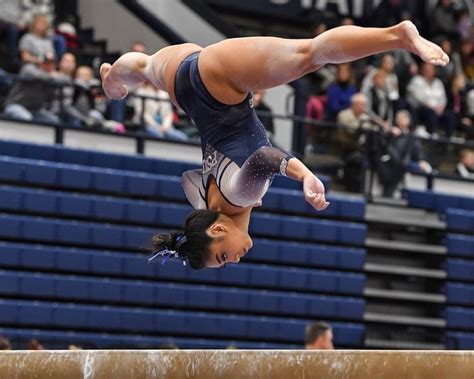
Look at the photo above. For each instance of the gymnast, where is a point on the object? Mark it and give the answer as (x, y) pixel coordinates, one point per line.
(213, 85)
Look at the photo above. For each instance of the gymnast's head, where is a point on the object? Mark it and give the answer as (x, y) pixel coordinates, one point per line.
(210, 239)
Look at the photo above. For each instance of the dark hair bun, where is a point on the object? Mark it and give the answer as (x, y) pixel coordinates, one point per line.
(165, 241)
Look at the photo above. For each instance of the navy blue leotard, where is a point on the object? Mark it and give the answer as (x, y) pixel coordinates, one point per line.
(235, 147)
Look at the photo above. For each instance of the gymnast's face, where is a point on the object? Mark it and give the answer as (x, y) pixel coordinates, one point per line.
(230, 243)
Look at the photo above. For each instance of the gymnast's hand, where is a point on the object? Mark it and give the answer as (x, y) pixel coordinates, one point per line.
(313, 190)
(112, 88)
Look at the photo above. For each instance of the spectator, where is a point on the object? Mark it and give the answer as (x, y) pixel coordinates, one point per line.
(391, 80)
(459, 98)
(427, 97)
(31, 95)
(354, 116)
(464, 24)
(35, 45)
(404, 151)
(454, 66)
(443, 20)
(467, 58)
(465, 166)
(5, 344)
(64, 95)
(378, 97)
(11, 27)
(157, 114)
(259, 105)
(34, 344)
(318, 336)
(340, 92)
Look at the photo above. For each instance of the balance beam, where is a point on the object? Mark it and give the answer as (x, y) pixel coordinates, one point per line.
(229, 364)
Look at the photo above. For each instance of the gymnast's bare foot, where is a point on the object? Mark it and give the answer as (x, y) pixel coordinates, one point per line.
(426, 50)
(113, 89)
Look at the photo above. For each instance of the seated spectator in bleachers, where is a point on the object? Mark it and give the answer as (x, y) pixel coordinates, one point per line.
(387, 66)
(82, 111)
(11, 25)
(352, 119)
(32, 94)
(156, 114)
(318, 336)
(459, 101)
(340, 92)
(64, 94)
(36, 44)
(378, 100)
(267, 120)
(443, 20)
(404, 151)
(454, 67)
(427, 97)
(5, 344)
(465, 166)
(467, 58)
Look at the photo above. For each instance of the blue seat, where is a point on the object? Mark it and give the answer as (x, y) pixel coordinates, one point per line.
(233, 299)
(38, 201)
(142, 212)
(71, 287)
(70, 315)
(460, 219)
(459, 293)
(264, 302)
(9, 254)
(293, 278)
(459, 341)
(37, 258)
(139, 292)
(420, 199)
(11, 170)
(263, 327)
(35, 313)
(458, 317)
(105, 290)
(294, 304)
(172, 295)
(170, 322)
(75, 205)
(36, 285)
(40, 173)
(9, 198)
(460, 269)
(109, 209)
(348, 334)
(39, 229)
(75, 177)
(201, 297)
(73, 232)
(8, 312)
(108, 263)
(263, 276)
(322, 281)
(107, 236)
(459, 244)
(351, 283)
(10, 226)
(108, 180)
(9, 282)
(72, 260)
(137, 237)
(105, 318)
(139, 320)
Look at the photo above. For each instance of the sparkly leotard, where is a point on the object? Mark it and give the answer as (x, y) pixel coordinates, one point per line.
(235, 147)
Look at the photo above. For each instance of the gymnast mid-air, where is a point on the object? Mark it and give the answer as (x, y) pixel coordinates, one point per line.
(213, 85)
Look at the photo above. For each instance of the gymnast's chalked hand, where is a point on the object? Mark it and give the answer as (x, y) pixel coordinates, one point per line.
(113, 89)
(313, 190)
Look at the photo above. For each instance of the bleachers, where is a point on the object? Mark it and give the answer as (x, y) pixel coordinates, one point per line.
(438, 202)
(74, 232)
(458, 211)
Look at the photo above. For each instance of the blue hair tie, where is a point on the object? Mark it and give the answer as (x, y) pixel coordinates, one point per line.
(167, 254)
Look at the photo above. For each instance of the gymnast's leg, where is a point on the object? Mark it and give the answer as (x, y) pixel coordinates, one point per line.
(234, 67)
